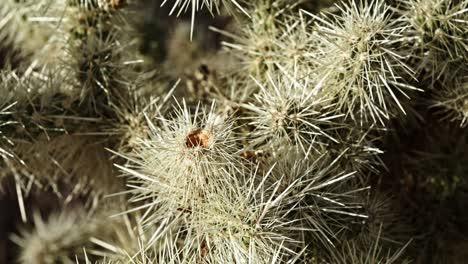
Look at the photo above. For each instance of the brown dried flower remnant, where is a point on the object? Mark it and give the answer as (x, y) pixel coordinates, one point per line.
(116, 4)
(198, 138)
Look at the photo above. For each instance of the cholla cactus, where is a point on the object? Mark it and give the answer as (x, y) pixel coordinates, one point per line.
(196, 5)
(352, 253)
(362, 54)
(22, 22)
(292, 112)
(250, 225)
(200, 146)
(440, 36)
(182, 161)
(62, 236)
(58, 239)
(272, 39)
(285, 132)
(453, 99)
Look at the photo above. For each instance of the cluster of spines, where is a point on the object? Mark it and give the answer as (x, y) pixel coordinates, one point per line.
(54, 114)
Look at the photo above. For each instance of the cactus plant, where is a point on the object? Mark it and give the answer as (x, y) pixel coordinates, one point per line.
(269, 131)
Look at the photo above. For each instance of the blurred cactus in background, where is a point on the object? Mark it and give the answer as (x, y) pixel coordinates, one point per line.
(233, 131)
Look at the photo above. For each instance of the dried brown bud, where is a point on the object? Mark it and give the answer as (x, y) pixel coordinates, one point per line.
(198, 138)
(116, 4)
